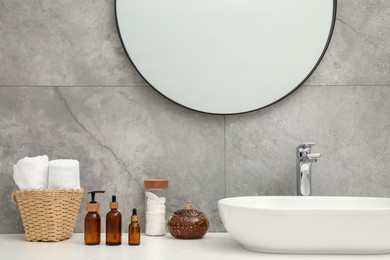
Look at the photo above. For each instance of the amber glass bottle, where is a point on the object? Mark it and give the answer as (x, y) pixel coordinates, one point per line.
(113, 224)
(92, 222)
(92, 228)
(134, 230)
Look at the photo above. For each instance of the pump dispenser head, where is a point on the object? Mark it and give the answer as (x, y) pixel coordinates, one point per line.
(93, 206)
(114, 204)
(93, 195)
(134, 217)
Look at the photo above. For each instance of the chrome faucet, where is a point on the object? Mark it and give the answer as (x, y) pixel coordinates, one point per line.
(304, 160)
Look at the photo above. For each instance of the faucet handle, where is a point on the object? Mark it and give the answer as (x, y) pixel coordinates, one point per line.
(304, 148)
(306, 145)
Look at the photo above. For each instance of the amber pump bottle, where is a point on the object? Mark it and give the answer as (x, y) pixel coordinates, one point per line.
(113, 224)
(92, 221)
(134, 230)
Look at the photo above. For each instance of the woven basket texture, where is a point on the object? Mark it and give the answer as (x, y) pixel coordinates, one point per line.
(48, 214)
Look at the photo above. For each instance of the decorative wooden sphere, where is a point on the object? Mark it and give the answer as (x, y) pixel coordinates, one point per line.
(188, 223)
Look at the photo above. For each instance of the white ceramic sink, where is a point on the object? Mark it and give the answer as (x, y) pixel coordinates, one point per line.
(310, 225)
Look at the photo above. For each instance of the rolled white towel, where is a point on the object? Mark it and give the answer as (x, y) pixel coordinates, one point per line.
(64, 174)
(31, 172)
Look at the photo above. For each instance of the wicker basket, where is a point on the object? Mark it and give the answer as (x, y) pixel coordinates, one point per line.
(48, 215)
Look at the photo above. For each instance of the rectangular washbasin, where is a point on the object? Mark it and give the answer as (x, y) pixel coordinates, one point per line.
(309, 225)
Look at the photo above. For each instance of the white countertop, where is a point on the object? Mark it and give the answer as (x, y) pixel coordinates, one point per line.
(213, 246)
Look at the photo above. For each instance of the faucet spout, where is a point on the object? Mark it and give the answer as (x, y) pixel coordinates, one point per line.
(304, 161)
(313, 157)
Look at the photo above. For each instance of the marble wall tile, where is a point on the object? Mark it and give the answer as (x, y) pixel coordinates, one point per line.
(76, 43)
(120, 136)
(351, 126)
(359, 53)
(59, 42)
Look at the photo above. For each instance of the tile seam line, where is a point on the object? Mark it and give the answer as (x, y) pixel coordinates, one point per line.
(224, 154)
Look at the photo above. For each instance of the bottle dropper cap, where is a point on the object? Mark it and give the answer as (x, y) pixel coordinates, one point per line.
(134, 217)
(114, 204)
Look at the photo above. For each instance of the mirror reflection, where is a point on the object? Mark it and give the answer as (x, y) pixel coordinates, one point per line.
(225, 56)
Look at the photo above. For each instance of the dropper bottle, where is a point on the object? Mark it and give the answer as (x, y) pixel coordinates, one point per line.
(113, 224)
(134, 230)
(92, 221)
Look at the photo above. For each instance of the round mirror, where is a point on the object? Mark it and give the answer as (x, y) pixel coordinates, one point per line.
(225, 56)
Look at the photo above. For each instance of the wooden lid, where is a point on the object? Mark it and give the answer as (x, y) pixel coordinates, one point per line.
(156, 184)
(114, 205)
(134, 218)
(93, 207)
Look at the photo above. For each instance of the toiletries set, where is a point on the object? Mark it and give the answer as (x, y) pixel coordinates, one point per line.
(38, 173)
(92, 224)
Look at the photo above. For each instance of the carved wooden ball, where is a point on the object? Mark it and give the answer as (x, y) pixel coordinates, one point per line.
(188, 223)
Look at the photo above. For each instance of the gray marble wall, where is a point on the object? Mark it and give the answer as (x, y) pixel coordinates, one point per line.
(68, 91)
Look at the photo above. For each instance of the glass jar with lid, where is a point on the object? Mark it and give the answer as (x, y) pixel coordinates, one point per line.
(155, 199)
